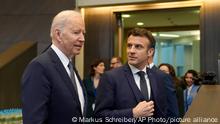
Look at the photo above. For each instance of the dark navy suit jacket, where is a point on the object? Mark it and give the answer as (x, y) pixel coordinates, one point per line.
(118, 94)
(48, 95)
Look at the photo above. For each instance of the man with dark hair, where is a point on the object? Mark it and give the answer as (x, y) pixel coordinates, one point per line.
(134, 90)
(115, 62)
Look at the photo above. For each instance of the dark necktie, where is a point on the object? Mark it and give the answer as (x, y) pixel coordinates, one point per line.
(143, 84)
(72, 76)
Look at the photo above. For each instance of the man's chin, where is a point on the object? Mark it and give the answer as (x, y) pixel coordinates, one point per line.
(76, 52)
(131, 62)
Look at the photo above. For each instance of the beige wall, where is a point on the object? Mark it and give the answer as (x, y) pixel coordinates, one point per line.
(79, 62)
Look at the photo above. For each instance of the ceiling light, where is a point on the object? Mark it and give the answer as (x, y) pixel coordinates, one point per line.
(168, 35)
(154, 34)
(125, 16)
(140, 23)
(197, 32)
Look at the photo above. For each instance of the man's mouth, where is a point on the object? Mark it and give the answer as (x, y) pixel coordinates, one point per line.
(77, 46)
(131, 57)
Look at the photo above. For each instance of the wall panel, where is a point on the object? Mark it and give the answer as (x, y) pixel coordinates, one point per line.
(210, 38)
(99, 36)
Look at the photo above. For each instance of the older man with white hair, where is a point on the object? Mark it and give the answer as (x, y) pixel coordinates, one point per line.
(52, 91)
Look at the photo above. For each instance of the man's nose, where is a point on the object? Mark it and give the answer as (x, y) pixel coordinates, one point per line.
(132, 49)
(82, 37)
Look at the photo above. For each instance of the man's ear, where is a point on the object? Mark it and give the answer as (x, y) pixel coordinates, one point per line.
(57, 33)
(150, 52)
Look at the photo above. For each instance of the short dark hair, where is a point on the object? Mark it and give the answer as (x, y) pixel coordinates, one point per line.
(95, 63)
(119, 59)
(143, 32)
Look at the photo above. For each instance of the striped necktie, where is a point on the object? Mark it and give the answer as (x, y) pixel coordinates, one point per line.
(143, 84)
(72, 76)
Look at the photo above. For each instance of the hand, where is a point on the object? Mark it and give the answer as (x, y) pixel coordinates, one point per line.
(143, 109)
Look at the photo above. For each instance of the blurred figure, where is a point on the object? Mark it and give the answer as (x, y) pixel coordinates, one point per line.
(193, 86)
(151, 64)
(91, 83)
(115, 62)
(165, 68)
(169, 69)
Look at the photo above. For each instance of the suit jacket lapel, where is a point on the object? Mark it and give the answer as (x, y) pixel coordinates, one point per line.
(153, 83)
(66, 79)
(154, 67)
(155, 89)
(80, 81)
(137, 93)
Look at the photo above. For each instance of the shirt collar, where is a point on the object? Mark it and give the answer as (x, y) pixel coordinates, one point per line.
(134, 70)
(63, 58)
(151, 65)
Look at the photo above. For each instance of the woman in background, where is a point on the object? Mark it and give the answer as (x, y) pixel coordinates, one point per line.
(191, 80)
(167, 68)
(91, 83)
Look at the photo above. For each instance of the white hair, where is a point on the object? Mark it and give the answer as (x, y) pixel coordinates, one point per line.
(61, 18)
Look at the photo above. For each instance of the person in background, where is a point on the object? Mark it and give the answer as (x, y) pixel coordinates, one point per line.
(115, 62)
(91, 82)
(52, 91)
(169, 69)
(133, 90)
(151, 64)
(192, 83)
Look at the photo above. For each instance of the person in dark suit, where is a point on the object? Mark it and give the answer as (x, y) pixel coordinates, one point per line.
(176, 82)
(52, 91)
(123, 93)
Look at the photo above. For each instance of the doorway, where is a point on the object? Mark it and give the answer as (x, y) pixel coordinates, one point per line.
(176, 31)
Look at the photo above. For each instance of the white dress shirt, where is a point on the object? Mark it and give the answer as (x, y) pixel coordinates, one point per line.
(65, 61)
(134, 71)
(151, 65)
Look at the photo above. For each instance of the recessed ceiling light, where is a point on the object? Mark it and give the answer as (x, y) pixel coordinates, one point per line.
(154, 34)
(125, 16)
(168, 35)
(140, 23)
